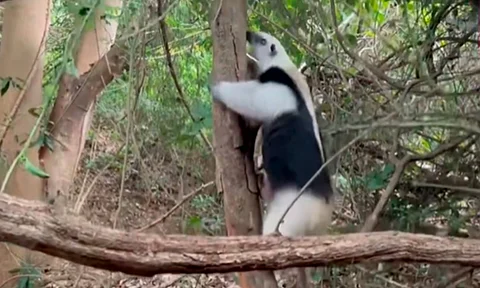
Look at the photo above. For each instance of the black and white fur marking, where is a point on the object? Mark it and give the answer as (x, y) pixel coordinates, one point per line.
(292, 149)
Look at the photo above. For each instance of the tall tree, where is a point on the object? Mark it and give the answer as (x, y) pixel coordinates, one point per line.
(234, 167)
(22, 74)
(25, 29)
(71, 122)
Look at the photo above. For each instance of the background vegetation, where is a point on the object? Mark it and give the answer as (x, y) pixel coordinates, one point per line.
(398, 77)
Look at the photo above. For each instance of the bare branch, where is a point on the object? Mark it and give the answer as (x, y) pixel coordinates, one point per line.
(456, 277)
(374, 70)
(399, 167)
(171, 68)
(174, 208)
(462, 125)
(462, 189)
(33, 225)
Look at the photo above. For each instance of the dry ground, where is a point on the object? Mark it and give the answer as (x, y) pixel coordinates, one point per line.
(152, 187)
(169, 179)
(154, 184)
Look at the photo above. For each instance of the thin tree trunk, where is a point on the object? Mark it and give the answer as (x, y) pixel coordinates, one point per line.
(72, 122)
(234, 163)
(25, 28)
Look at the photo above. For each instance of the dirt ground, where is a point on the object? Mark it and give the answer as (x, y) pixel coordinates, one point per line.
(155, 181)
(152, 187)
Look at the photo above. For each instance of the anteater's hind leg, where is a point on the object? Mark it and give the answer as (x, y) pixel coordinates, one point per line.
(310, 215)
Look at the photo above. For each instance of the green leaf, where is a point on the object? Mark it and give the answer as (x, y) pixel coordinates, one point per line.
(72, 7)
(378, 179)
(49, 90)
(426, 145)
(388, 170)
(28, 275)
(380, 18)
(195, 223)
(375, 183)
(411, 7)
(112, 12)
(24, 282)
(5, 85)
(201, 110)
(34, 170)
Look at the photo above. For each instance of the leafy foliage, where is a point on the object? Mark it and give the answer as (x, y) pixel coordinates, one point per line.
(379, 179)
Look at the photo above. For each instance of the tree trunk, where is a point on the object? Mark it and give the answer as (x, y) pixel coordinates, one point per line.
(33, 225)
(25, 28)
(71, 121)
(233, 155)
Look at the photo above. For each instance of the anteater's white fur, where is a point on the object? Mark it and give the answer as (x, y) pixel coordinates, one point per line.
(282, 60)
(309, 215)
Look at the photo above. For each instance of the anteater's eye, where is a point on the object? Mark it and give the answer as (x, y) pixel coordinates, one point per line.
(263, 41)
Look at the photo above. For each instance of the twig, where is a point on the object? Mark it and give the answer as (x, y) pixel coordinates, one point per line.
(174, 208)
(373, 218)
(79, 277)
(312, 51)
(131, 91)
(438, 16)
(15, 277)
(375, 71)
(399, 167)
(151, 24)
(445, 60)
(215, 17)
(407, 124)
(171, 68)
(473, 191)
(381, 277)
(83, 196)
(373, 126)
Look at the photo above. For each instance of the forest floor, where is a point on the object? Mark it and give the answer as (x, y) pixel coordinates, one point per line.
(153, 185)
(169, 181)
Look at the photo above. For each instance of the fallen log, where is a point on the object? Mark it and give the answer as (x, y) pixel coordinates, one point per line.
(36, 226)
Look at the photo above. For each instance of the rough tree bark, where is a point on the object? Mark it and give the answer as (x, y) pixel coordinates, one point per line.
(82, 93)
(235, 173)
(32, 224)
(25, 28)
(72, 116)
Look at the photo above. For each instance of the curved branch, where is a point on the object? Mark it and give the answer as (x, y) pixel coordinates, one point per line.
(33, 225)
(400, 166)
